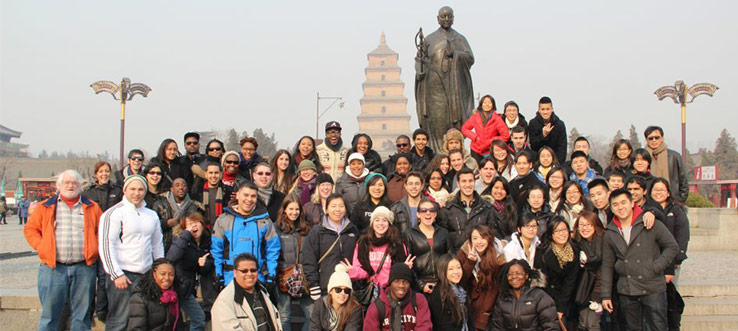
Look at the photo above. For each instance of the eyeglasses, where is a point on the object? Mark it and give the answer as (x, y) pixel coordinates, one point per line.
(562, 230)
(246, 271)
(248, 149)
(214, 149)
(426, 210)
(136, 158)
(230, 162)
(515, 274)
(530, 226)
(154, 173)
(585, 226)
(192, 142)
(260, 173)
(652, 138)
(340, 290)
(402, 145)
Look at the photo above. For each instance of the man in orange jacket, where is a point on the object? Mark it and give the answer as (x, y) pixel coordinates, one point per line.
(67, 255)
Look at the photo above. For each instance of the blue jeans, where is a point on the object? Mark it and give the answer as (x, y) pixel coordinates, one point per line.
(285, 310)
(117, 319)
(645, 312)
(193, 310)
(75, 283)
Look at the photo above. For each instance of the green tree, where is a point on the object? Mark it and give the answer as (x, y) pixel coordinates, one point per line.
(44, 154)
(726, 156)
(573, 135)
(634, 139)
(231, 143)
(267, 144)
(618, 136)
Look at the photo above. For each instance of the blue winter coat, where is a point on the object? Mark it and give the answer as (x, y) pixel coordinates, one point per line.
(23, 208)
(234, 234)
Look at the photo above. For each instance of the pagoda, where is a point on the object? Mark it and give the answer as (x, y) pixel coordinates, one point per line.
(384, 105)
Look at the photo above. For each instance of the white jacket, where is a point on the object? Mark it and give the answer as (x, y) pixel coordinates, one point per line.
(130, 239)
(228, 315)
(514, 249)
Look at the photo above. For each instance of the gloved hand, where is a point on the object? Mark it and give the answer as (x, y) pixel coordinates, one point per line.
(315, 293)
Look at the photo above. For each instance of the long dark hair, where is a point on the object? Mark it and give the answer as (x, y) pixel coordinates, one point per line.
(448, 297)
(593, 219)
(510, 212)
(669, 200)
(297, 145)
(428, 178)
(481, 101)
(488, 265)
(289, 174)
(582, 198)
(554, 159)
(285, 225)
(502, 145)
(435, 163)
(161, 152)
(551, 225)
(614, 165)
(384, 200)
(148, 169)
(147, 286)
(345, 311)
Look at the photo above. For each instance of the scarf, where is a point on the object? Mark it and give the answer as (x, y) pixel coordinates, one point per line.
(461, 294)
(361, 177)
(229, 179)
(499, 206)
(544, 171)
(624, 164)
(511, 125)
(299, 158)
(218, 199)
(265, 194)
(660, 164)
(169, 297)
(178, 209)
(248, 164)
(396, 312)
(335, 147)
(333, 317)
(306, 189)
(563, 255)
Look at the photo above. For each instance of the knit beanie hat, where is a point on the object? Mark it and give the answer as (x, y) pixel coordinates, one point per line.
(135, 178)
(226, 154)
(339, 278)
(356, 156)
(306, 164)
(400, 271)
(381, 211)
(323, 178)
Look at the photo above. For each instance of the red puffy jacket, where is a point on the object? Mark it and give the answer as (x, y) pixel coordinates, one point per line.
(483, 135)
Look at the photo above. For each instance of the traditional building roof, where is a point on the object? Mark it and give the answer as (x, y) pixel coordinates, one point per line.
(5, 131)
(382, 49)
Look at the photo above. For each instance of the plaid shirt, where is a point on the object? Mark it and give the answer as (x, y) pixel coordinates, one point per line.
(69, 232)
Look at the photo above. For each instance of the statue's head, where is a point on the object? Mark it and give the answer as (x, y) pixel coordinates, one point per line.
(445, 17)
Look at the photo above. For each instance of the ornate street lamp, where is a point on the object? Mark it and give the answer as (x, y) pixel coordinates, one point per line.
(125, 92)
(318, 114)
(678, 93)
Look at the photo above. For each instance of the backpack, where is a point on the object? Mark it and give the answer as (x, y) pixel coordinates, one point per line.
(381, 311)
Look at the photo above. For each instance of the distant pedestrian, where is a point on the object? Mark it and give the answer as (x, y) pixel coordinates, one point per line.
(3, 210)
(23, 206)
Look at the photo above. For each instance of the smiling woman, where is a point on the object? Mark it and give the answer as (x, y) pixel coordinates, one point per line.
(154, 303)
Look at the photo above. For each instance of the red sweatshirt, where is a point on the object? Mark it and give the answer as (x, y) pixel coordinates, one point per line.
(411, 320)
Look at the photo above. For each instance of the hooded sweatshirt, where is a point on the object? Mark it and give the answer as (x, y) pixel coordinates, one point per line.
(411, 319)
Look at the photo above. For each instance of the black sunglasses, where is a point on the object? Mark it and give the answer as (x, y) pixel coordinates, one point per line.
(192, 142)
(230, 162)
(214, 149)
(136, 158)
(340, 290)
(402, 145)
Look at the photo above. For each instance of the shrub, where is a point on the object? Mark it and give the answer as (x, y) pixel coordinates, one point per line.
(696, 200)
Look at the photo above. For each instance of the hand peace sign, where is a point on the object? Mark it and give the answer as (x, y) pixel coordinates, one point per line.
(409, 261)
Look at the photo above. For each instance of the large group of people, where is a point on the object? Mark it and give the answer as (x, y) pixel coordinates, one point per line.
(511, 235)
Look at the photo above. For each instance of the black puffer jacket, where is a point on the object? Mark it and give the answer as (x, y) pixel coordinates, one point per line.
(372, 159)
(520, 186)
(320, 318)
(560, 282)
(426, 257)
(454, 218)
(534, 311)
(145, 314)
(556, 139)
(678, 224)
(184, 254)
(318, 241)
(105, 195)
(542, 216)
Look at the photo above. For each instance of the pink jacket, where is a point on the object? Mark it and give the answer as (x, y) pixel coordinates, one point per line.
(375, 256)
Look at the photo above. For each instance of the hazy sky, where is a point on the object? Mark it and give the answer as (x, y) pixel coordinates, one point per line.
(248, 64)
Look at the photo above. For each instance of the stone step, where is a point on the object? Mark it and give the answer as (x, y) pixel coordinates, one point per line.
(698, 232)
(708, 290)
(712, 323)
(714, 306)
(712, 243)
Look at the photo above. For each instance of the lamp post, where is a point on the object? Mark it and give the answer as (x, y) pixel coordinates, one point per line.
(318, 114)
(679, 93)
(125, 92)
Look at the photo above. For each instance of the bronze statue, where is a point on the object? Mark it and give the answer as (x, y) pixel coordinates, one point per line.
(443, 87)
